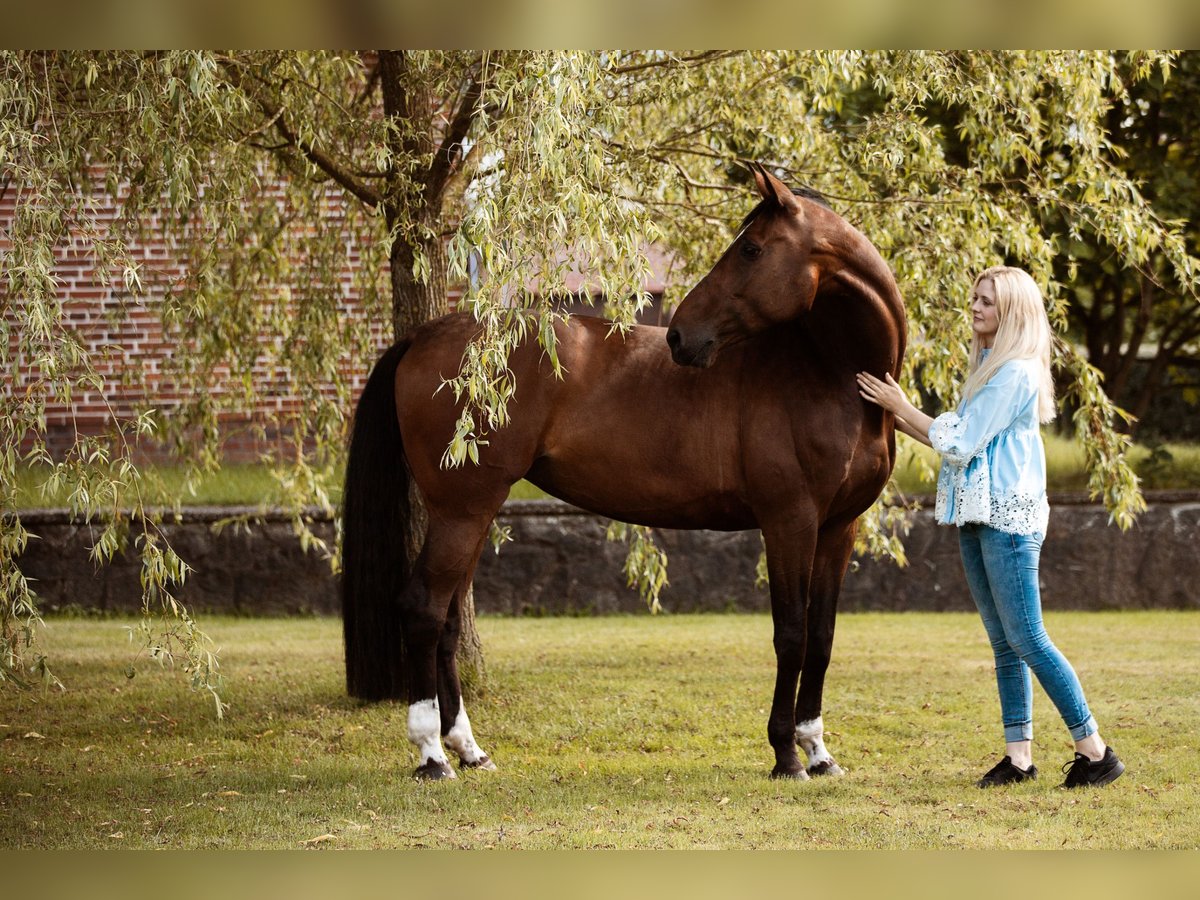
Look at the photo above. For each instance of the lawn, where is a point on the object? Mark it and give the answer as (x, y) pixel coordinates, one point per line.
(236, 484)
(645, 732)
(1175, 466)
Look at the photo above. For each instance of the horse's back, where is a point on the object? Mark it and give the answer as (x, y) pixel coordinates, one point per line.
(620, 429)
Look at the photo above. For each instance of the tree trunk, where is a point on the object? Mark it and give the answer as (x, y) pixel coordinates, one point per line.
(1150, 387)
(1119, 378)
(419, 298)
(415, 302)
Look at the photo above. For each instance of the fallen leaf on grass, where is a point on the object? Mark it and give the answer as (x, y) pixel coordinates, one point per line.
(34, 734)
(723, 801)
(229, 793)
(119, 835)
(319, 839)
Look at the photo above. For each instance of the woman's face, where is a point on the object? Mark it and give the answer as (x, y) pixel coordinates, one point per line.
(984, 320)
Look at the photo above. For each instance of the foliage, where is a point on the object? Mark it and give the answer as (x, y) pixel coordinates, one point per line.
(646, 563)
(1158, 466)
(1122, 311)
(165, 135)
(263, 167)
(622, 731)
(1165, 466)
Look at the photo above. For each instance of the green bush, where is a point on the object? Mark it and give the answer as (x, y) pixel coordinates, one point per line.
(1159, 466)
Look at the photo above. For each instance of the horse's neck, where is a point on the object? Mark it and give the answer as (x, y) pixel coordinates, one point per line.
(864, 307)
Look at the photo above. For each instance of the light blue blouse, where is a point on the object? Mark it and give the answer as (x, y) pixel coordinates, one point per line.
(993, 462)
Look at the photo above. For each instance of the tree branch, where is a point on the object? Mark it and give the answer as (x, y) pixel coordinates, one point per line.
(448, 157)
(324, 161)
(368, 88)
(706, 56)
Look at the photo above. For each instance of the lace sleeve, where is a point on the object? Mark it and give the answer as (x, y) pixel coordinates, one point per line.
(962, 435)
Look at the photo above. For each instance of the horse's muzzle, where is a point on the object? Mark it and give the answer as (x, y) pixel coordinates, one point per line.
(684, 353)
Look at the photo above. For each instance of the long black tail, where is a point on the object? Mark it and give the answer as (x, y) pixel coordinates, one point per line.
(376, 513)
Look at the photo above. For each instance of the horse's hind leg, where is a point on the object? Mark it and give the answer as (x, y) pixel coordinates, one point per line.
(446, 560)
(834, 547)
(456, 727)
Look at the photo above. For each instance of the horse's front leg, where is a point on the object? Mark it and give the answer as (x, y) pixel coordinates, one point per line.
(789, 563)
(834, 547)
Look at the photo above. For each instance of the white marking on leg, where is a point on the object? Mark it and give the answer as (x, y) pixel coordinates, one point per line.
(462, 741)
(809, 735)
(424, 730)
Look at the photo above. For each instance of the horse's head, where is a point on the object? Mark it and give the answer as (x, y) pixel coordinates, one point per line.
(767, 276)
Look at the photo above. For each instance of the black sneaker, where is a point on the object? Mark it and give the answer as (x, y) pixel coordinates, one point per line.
(1004, 772)
(1083, 772)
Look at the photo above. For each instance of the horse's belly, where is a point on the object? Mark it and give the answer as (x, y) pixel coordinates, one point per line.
(627, 497)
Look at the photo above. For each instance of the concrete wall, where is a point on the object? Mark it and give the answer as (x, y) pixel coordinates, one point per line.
(560, 563)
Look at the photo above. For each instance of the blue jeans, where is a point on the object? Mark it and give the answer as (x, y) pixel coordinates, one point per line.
(1002, 572)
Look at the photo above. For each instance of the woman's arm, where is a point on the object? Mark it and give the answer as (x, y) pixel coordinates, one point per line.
(903, 426)
(888, 395)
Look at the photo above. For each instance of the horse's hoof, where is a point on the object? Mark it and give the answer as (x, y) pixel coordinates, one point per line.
(796, 773)
(433, 770)
(826, 767)
(484, 764)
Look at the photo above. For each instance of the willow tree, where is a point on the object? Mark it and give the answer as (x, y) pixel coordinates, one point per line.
(502, 173)
(1127, 315)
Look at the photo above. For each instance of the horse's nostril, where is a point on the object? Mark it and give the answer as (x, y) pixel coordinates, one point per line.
(673, 338)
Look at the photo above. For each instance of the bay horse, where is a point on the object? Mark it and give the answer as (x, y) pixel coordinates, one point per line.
(743, 413)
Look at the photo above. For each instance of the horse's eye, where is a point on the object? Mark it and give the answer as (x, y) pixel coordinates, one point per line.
(751, 250)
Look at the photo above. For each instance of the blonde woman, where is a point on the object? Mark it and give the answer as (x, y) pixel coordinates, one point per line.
(992, 485)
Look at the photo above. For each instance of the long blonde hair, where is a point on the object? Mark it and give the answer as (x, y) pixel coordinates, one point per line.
(1023, 332)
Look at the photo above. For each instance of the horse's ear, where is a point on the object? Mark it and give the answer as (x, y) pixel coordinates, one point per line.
(773, 189)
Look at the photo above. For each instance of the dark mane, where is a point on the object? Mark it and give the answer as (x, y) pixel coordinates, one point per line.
(806, 193)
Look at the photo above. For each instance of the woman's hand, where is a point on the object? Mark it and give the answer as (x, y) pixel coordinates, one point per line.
(883, 393)
(887, 394)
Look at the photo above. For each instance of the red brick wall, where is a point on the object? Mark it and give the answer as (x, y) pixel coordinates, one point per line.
(130, 349)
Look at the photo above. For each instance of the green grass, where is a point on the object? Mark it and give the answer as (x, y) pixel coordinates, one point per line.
(1168, 466)
(609, 732)
(245, 484)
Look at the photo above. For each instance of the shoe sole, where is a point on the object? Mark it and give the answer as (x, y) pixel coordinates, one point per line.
(994, 784)
(984, 783)
(1109, 777)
